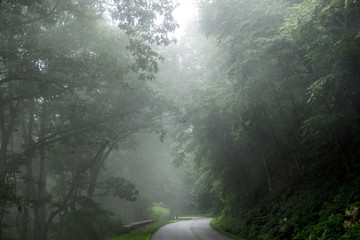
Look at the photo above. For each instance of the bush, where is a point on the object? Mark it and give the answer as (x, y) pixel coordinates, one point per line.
(88, 222)
(159, 213)
(329, 229)
(352, 233)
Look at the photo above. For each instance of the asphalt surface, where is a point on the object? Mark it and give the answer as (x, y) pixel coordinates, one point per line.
(194, 229)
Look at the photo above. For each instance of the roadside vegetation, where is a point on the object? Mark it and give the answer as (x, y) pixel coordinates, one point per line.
(144, 234)
(312, 210)
(217, 225)
(253, 116)
(269, 130)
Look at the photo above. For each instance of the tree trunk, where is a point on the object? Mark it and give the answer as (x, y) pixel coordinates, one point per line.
(244, 183)
(351, 96)
(40, 209)
(29, 189)
(64, 204)
(3, 158)
(29, 184)
(292, 141)
(5, 134)
(264, 161)
(3, 147)
(277, 143)
(96, 170)
(243, 177)
(346, 162)
(300, 163)
(1, 219)
(268, 177)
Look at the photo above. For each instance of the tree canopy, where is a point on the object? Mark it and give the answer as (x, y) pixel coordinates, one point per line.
(257, 107)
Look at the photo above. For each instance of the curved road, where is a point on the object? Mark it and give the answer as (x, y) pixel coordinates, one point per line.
(194, 229)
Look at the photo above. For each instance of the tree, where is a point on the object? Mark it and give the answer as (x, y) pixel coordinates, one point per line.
(61, 84)
(273, 100)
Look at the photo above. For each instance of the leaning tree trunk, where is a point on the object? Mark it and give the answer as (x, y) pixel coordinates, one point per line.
(94, 172)
(100, 156)
(268, 177)
(65, 203)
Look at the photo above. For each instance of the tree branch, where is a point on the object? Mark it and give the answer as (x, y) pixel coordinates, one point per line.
(5, 80)
(64, 203)
(52, 12)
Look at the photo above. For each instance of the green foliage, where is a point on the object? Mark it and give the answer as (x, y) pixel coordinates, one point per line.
(276, 112)
(316, 210)
(70, 94)
(329, 229)
(142, 235)
(353, 233)
(159, 213)
(331, 128)
(333, 216)
(266, 111)
(216, 223)
(138, 19)
(121, 188)
(87, 222)
(9, 198)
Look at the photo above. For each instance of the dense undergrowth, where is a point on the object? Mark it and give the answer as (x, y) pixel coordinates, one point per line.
(215, 225)
(273, 132)
(326, 208)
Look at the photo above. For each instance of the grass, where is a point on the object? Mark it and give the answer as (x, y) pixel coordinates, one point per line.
(143, 235)
(198, 215)
(147, 233)
(217, 228)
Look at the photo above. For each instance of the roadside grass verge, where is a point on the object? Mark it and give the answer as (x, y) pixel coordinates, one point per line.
(196, 214)
(214, 225)
(144, 235)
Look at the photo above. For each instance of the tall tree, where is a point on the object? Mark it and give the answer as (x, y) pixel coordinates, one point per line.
(68, 75)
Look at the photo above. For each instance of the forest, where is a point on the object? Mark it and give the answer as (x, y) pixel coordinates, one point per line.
(251, 116)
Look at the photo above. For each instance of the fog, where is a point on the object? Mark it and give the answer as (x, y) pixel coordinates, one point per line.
(114, 112)
(149, 167)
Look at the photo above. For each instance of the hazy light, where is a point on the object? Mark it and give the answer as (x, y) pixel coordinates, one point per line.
(186, 12)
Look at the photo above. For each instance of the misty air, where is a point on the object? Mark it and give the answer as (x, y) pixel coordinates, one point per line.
(179, 119)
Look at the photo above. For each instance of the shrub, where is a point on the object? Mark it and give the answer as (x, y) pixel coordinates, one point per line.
(158, 212)
(87, 222)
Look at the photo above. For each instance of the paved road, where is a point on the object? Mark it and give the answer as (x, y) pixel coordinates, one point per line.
(194, 229)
